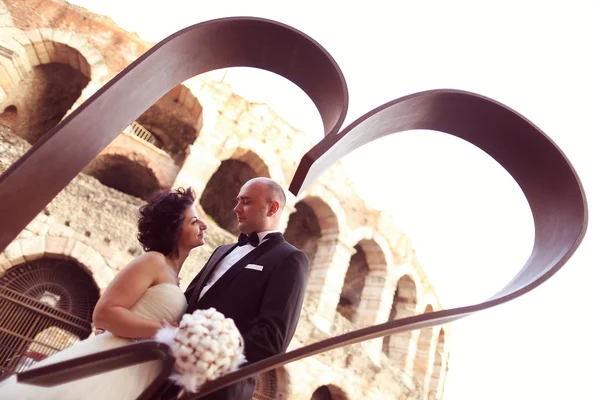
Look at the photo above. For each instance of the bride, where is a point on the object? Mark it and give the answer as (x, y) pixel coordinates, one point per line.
(142, 297)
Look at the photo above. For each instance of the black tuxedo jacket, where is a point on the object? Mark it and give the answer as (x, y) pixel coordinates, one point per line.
(265, 305)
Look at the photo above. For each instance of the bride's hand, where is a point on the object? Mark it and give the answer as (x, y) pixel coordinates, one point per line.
(165, 323)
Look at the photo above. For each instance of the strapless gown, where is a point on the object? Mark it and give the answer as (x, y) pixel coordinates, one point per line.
(163, 301)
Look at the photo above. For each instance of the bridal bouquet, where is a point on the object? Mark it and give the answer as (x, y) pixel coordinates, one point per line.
(206, 346)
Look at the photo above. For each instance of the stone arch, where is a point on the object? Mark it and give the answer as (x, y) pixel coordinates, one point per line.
(58, 294)
(318, 190)
(408, 271)
(9, 116)
(397, 347)
(218, 198)
(174, 121)
(329, 392)
(126, 171)
(364, 281)
(260, 156)
(424, 342)
(36, 247)
(396, 245)
(429, 301)
(312, 225)
(41, 99)
(273, 385)
(332, 255)
(435, 381)
(46, 72)
(50, 272)
(381, 252)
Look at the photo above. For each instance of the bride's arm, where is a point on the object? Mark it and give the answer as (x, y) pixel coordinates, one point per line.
(112, 310)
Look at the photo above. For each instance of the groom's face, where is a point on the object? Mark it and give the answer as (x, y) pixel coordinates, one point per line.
(252, 208)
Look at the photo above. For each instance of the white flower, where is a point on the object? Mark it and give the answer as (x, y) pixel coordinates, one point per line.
(217, 316)
(184, 350)
(223, 338)
(201, 366)
(205, 346)
(208, 356)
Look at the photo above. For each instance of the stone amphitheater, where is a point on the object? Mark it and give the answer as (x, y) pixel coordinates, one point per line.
(364, 271)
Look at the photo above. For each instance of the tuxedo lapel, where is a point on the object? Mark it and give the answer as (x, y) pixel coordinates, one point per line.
(236, 268)
(208, 270)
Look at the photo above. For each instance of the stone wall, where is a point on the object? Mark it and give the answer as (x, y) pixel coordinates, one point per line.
(98, 216)
(116, 47)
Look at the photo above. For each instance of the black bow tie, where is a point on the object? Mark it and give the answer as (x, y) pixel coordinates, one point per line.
(253, 239)
(244, 239)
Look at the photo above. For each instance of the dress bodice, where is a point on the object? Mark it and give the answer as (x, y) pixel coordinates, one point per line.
(164, 301)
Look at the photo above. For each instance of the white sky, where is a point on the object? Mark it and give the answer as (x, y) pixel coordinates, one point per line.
(471, 225)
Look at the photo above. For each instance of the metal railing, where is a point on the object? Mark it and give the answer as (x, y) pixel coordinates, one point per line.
(31, 331)
(138, 130)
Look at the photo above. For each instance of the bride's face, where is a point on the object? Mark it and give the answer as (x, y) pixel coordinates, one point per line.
(192, 230)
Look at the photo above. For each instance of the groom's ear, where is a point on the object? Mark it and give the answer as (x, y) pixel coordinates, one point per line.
(273, 208)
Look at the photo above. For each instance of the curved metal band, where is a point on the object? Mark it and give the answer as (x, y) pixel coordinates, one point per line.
(40, 175)
(542, 171)
(548, 180)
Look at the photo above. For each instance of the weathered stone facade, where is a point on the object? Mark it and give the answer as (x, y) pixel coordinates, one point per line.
(53, 56)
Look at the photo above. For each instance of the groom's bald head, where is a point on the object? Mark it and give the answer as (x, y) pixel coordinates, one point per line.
(273, 190)
(259, 205)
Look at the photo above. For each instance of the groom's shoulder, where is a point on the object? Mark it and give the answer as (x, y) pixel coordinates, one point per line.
(290, 249)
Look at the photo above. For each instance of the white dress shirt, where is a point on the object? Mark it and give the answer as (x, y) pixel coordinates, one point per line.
(230, 259)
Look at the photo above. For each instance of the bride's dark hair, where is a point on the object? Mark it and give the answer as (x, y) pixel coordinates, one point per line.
(160, 222)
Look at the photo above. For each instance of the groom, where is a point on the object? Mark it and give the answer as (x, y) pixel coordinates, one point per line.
(258, 282)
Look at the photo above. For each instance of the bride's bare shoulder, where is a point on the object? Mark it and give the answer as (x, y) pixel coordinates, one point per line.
(154, 256)
(150, 259)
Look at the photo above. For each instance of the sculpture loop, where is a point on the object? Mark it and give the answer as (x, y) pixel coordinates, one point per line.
(548, 180)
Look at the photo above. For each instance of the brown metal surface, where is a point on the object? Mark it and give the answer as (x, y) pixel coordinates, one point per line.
(549, 182)
(105, 361)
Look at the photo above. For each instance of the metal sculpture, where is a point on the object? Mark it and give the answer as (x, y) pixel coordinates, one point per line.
(548, 180)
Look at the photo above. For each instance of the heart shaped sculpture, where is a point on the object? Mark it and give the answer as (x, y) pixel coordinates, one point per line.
(548, 180)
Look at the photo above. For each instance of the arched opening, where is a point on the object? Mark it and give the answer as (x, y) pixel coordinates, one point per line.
(127, 175)
(354, 283)
(329, 392)
(311, 226)
(218, 198)
(435, 381)
(423, 350)
(396, 347)
(42, 98)
(272, 385)
(175, 120)
(9, 116)
(46, 304)
(363, 283)
(303, 230)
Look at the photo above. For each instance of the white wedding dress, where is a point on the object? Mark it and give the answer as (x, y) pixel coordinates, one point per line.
(163, 301)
